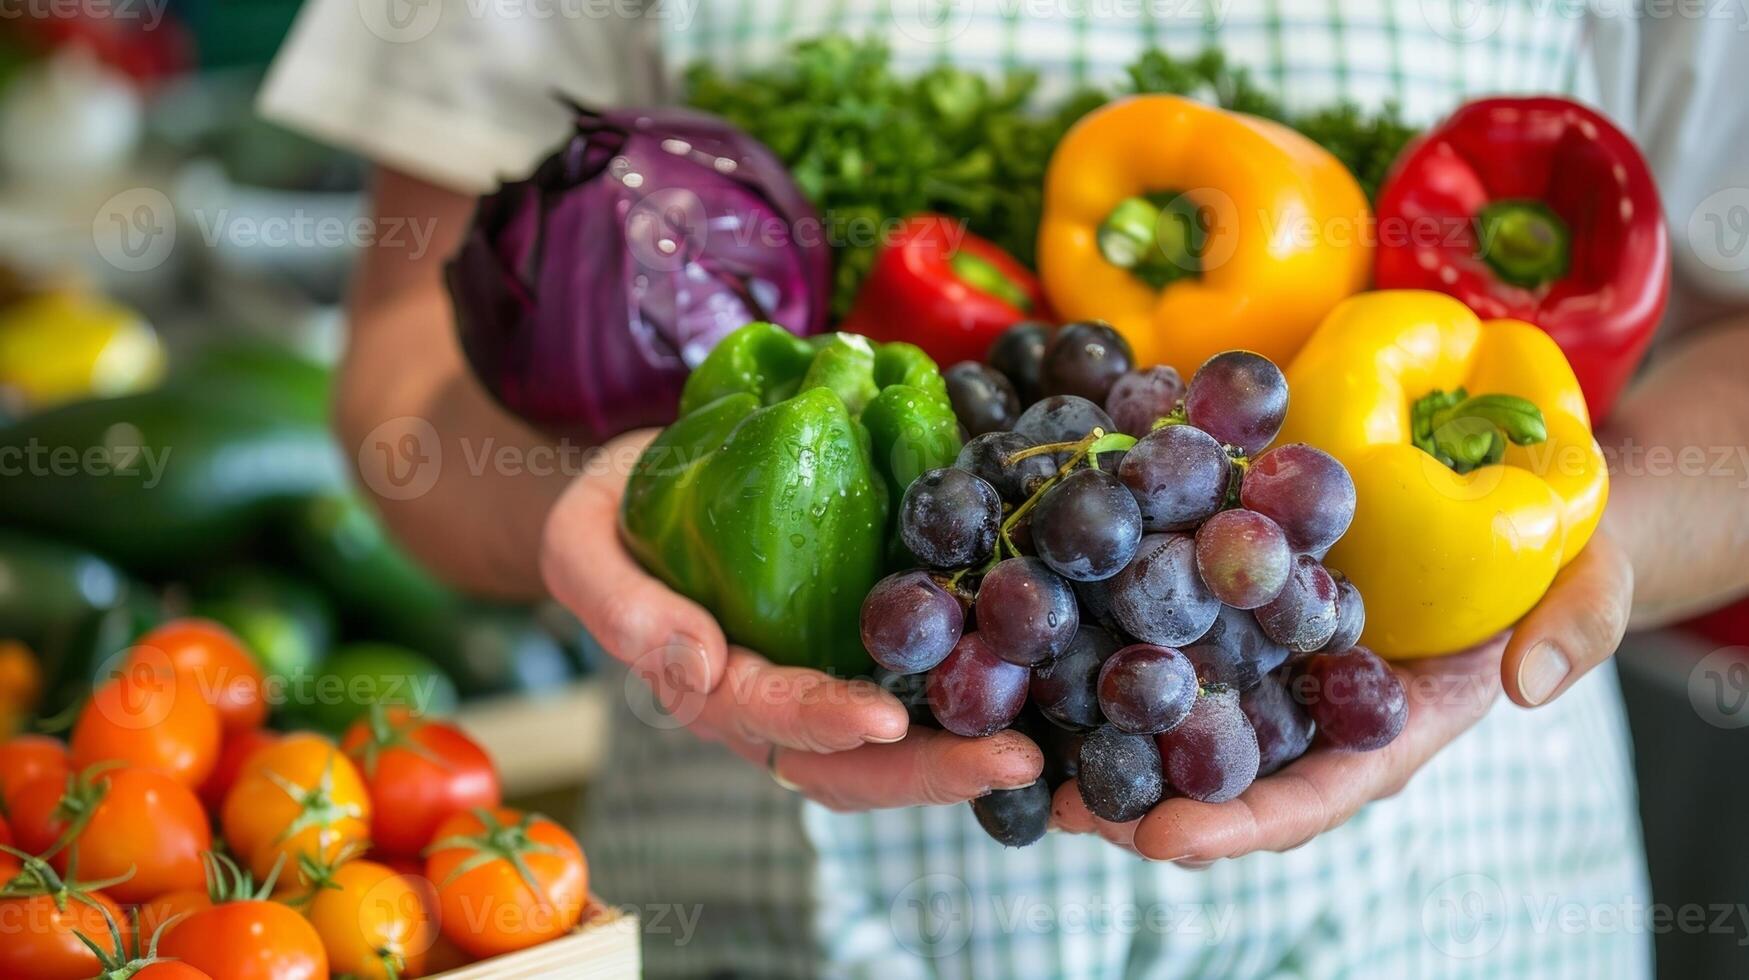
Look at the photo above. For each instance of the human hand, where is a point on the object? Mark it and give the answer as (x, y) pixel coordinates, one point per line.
(841, 742)
(1575, 627)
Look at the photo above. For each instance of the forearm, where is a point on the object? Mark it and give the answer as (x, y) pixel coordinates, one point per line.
(461, 483)
(1679, 494)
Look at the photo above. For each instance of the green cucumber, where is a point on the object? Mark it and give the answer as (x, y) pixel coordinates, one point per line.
(165, 480)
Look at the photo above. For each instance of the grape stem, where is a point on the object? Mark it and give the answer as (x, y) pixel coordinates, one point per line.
(1077, 454)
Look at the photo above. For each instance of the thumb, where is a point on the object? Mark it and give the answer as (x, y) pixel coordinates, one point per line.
(672, 641)
(1575, 627)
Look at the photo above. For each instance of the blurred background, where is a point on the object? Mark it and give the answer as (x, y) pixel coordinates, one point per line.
(171, 271)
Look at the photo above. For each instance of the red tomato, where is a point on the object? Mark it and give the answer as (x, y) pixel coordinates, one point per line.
(5, 833)
(419, 773)
(214, 661)
(26, 757)
(150, 718)
(248, 940)
(489, 909)
(138, 824)
(42, 941)
(236, 750)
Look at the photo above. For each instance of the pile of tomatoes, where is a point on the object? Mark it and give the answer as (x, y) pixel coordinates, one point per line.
(173, 838)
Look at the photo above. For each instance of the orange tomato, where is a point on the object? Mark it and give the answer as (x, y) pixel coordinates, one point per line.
(214, 660)
(419, 773)
(41, 935)
(249, 939)
(130, 823)
(373, 922)
(235, 750)
(151, 718)
(491, 908)
(26, 757)
(299, 796)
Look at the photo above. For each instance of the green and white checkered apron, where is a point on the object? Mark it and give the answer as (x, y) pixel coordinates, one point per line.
(1515, 853)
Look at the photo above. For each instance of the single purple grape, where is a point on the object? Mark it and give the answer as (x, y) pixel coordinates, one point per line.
(1062, 418)
(982, 397)
(1304, 490)
(1213, 756)
(1146, 689)
(1026, 612)
(909, 623)
(975, 693)
(1159, 597)
(1303, 617)
(1243, 558)
(1087, 526)
(991, 458)
(1355, 698)
(1085, 359)
(1179, 476)
(1238, 397)
(948, 518)
(1119, 774)
(1019, 353)
(1235, 651)
(1140, 398)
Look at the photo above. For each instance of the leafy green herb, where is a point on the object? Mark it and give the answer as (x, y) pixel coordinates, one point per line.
(868, 146)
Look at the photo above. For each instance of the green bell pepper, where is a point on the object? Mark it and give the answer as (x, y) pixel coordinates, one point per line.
(771, 499)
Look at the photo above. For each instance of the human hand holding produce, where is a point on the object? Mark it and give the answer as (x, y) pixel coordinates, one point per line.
(839, 741)
(1575, 627)
(1123, 601)
(769, 501)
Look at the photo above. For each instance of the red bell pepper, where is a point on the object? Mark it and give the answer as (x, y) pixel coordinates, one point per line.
(944, 289)
(1538, 209)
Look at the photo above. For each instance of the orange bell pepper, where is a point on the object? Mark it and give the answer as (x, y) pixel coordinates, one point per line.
(1195, 230)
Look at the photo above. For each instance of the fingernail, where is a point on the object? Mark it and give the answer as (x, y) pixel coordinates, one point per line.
(1542, 670)
(685, 668)
(1019, 785)
(885, 740)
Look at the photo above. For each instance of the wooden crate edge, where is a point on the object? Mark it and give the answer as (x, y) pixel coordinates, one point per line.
(603, 947)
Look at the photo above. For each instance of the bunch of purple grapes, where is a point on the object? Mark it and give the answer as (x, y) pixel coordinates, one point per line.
(1119, 566)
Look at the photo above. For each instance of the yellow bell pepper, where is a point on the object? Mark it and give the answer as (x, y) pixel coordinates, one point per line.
(64, 344)
(1194, 230)
(1467, 504)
